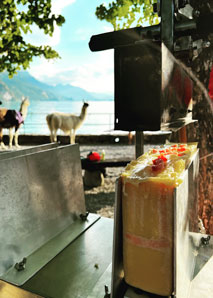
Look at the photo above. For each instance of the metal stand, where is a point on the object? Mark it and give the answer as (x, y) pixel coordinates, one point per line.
(139, 143)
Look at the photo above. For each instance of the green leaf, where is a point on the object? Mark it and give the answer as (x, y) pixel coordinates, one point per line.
(15, 22)
(125, 13)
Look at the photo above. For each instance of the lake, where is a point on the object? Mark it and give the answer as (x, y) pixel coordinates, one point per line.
(99, 120)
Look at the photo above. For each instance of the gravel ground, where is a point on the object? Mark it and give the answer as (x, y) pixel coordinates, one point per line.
(101, 199)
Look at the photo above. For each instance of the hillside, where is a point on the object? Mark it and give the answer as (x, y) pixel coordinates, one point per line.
(23, 84)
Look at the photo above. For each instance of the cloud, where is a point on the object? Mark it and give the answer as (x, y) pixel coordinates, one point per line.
(85, 33)
(108, 28)
(59, 5)
(81, 68)
(95, 76)
(37, 37)
(98, 76)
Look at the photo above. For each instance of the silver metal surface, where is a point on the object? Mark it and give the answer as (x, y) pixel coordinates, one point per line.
(82, 269)
(43, 255)
(202, 284)
(11, 154)
(190, 255)
(118, 285)
(184, 246)
(41, 195)
(176, 95)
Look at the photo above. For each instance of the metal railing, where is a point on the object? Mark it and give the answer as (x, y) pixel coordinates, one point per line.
(95, 123)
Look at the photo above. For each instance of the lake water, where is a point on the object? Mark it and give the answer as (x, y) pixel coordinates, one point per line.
(99, 119)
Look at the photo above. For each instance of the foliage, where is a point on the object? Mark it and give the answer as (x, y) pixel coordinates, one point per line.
(16, 19)
(124, 13)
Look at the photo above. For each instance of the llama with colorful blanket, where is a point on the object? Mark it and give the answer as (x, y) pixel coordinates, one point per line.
(12, 119)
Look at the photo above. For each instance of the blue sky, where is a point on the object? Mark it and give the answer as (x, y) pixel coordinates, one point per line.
(78, 66)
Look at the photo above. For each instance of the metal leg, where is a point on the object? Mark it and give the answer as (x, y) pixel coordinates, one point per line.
(139, 143)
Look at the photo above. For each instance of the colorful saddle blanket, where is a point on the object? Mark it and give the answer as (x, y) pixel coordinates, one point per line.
(19, 117)
(11, 118)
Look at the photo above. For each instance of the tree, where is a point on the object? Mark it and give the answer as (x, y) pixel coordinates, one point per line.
(16, 20)
(123, 13)
(120, 14)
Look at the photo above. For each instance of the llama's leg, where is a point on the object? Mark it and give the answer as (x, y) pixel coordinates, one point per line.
(11, 137)
(72, 136)
(54, 135)
(51, 136)
(1, 139)
(16, 137)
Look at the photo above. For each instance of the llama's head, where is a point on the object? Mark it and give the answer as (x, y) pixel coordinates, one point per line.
(24, 106)
(25, 101)
(85, 104)
(84, 109)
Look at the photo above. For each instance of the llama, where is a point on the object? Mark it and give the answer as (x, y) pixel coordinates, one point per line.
(68, 123)
(13, 119)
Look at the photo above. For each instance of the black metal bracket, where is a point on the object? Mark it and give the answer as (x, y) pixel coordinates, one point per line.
(21, 265)
(107, 294)
(83, 217)
(205, 241)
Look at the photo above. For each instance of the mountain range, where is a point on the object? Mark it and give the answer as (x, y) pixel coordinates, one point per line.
(23, 84)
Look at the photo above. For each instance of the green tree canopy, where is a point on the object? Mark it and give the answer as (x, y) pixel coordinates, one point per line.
(16, 20)
(123, 13)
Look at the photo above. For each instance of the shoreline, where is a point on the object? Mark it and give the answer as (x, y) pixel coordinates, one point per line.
(107, 138)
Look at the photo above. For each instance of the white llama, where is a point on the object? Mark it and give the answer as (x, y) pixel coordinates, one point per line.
(68, 123)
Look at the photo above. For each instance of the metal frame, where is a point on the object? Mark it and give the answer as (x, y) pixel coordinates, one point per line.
(16, 153)
(42, 195)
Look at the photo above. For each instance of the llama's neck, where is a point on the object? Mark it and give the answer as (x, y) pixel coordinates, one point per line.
(83, 113)
(23, 111)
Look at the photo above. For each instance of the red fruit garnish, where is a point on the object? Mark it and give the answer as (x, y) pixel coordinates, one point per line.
(181, 149)
(159, 164)
(163, 158)
(162, 151)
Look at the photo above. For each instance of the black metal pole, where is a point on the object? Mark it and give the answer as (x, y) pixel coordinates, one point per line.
(167, 23)
(139, 143)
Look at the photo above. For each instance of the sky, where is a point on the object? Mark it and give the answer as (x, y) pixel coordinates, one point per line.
(78, 66)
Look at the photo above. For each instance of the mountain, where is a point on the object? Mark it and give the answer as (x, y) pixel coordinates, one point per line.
(23, 84)
(67, 92)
